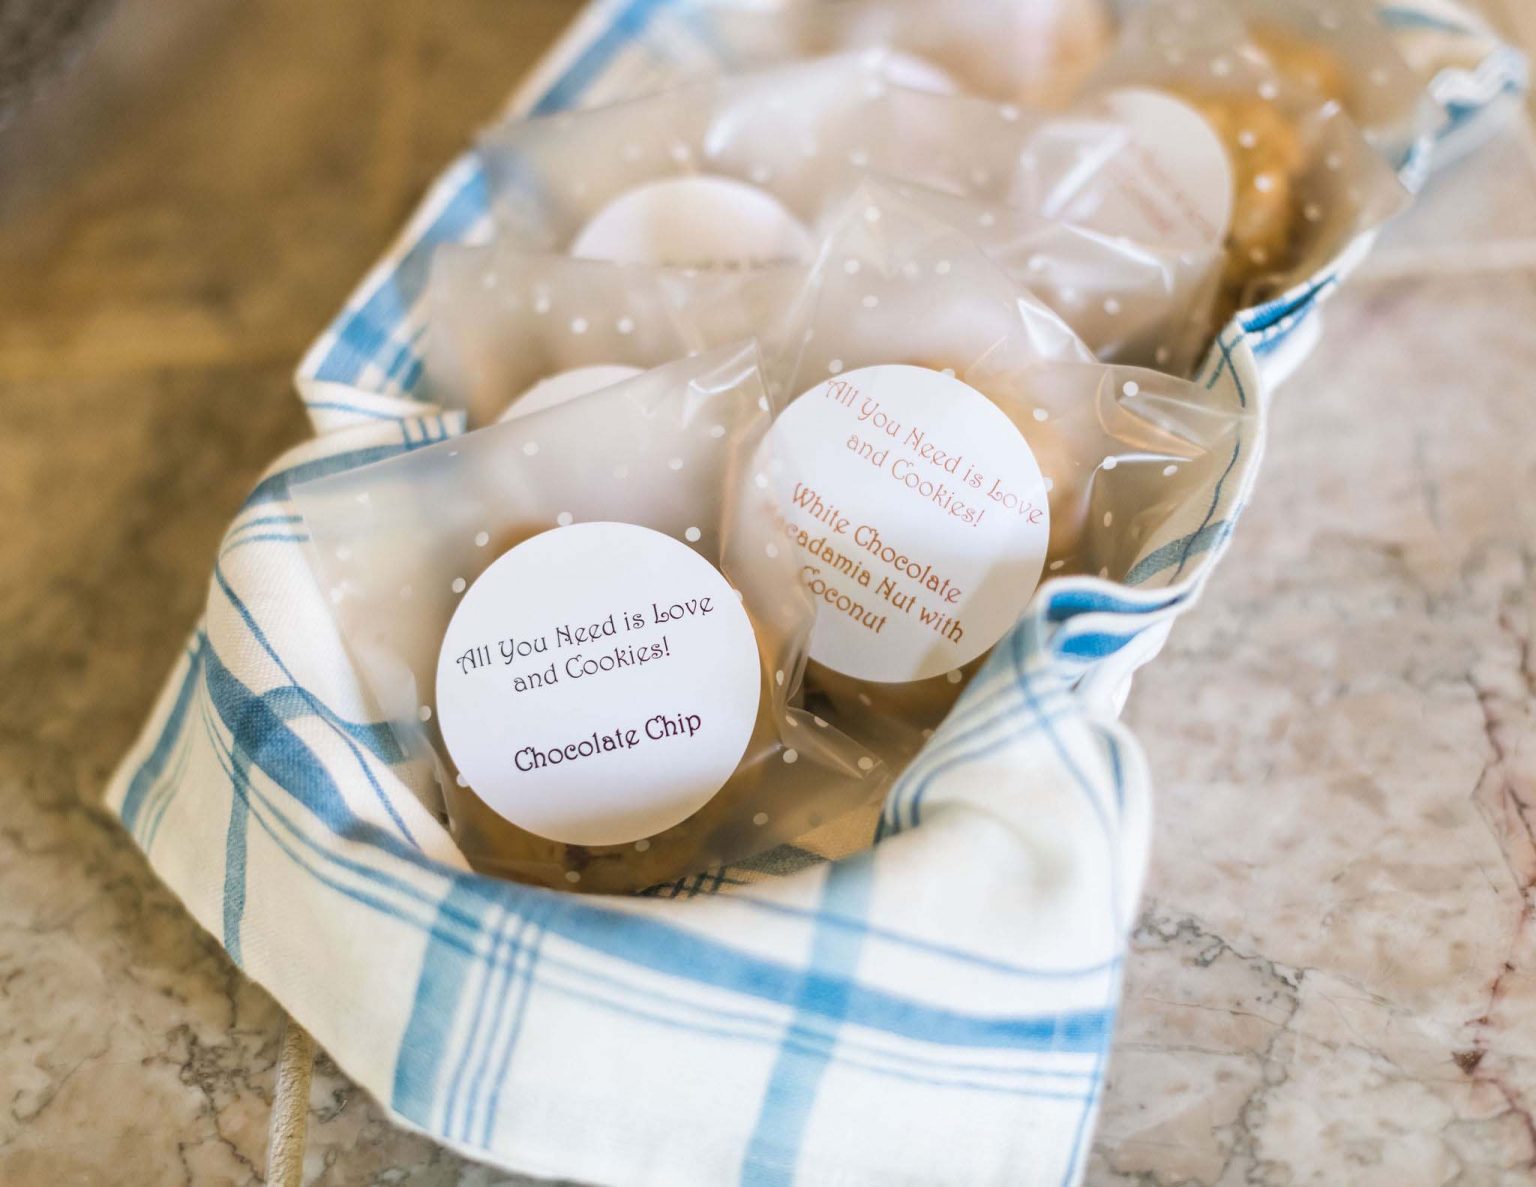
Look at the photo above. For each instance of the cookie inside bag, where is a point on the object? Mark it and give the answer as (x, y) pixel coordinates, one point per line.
(581, 622)
(929, 473)
(1297, 95)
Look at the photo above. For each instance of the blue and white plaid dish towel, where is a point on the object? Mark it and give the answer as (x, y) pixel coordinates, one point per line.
(935, 1010)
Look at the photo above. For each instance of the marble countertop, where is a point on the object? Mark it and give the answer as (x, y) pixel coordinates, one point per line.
(1334, 977)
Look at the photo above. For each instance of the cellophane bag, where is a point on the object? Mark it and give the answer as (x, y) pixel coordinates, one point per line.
(581, 620)
(1341, 51)
(505, 322)
(796, 137)
(1026, 51)
(946, 443)
(1141, 304)
(794, 140)
(1282, 90)
(762, 152)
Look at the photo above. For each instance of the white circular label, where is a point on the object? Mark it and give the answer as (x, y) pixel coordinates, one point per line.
(567, 385)
(1171, 182)
(598, 683)
(694, 222)
(920, 516)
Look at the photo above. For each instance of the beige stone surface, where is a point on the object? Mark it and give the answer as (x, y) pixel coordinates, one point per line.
(1334, 976)
(1334, 980)
(198, 200)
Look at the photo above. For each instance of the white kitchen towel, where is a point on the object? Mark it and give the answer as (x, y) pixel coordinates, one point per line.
(934, 1010)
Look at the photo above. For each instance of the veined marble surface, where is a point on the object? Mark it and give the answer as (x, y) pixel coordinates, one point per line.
(1334, 977)
(1332, 982)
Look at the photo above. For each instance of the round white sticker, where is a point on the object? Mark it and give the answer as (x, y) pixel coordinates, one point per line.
(598, 683)
(694, 222)
(920, 516)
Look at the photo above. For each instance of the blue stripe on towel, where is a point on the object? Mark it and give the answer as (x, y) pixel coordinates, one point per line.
(823, 994)
(1069, 603)
(1095, 644)
(154, 762)
(364, 331)
(446, 968)
(626, 26)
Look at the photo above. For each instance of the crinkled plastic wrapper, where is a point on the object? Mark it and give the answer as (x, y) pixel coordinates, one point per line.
(1339, 51)
(800, 135)
(1137, 303)
(883, 239)
(1028, 51)
(1121, 450)
(757, 166)
(1298, 94)
(776, 144)
(504, 321)
(397, 543)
